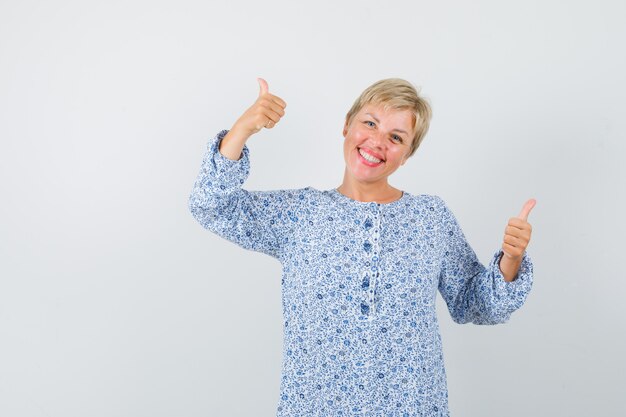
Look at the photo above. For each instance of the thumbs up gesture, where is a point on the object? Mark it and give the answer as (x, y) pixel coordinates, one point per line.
(516, 238)
(517, 232)
(264, 113)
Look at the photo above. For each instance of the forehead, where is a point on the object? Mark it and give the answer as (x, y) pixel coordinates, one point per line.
(396, 116)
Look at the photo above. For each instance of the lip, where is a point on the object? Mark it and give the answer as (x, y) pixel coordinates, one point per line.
(368, 163)
(375, 155)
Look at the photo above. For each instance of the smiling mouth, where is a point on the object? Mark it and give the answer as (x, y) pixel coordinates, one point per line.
(369, 157)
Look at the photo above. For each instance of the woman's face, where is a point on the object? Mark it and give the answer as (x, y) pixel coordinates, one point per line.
(384, 136)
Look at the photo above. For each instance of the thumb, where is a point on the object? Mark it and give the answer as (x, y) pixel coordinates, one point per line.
(263, 85)
(526, 209)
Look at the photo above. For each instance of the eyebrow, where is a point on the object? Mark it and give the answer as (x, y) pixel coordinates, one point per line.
(378, 121)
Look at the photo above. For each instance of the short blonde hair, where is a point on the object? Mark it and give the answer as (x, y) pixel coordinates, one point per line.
(397, 94)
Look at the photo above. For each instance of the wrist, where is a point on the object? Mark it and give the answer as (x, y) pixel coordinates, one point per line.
(509, 266)
(235, 134)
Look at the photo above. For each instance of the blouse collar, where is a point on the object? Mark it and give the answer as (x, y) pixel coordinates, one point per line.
(343, 199)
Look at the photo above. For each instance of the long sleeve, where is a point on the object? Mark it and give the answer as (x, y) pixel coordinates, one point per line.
(475, 293)
(255, 220)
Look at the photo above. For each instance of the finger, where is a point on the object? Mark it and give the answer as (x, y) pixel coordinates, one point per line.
(265, 118)
(277, 108)
(266, 104)
(272, 99)
(514, 241)
(511, 251)
(514, 231)
(278, 101)
(508, 249)
(263, 86)
(272, 115)
(268, 119)
(519, 224)
(526, 209)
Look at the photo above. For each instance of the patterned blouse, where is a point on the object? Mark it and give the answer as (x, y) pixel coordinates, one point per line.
(359, 284)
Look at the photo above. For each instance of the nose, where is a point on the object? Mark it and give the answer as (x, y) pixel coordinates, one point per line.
(378, 139)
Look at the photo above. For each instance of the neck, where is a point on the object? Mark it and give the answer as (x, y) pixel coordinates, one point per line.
(379, 192)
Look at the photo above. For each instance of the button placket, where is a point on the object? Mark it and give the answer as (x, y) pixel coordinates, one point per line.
(374, 273)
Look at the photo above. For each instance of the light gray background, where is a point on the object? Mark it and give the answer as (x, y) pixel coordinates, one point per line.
(114, 302)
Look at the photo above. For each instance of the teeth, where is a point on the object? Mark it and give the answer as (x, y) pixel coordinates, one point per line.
(369, 157)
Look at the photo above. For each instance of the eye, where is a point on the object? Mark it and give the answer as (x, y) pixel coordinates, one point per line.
(372, 123)
(398, 138)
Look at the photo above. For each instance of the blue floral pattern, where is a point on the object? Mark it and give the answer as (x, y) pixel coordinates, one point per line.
(359, 284)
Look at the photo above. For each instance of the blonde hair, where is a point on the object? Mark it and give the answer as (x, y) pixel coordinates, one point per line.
(397, 94)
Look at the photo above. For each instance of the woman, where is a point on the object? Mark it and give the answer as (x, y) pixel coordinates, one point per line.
(362, 263)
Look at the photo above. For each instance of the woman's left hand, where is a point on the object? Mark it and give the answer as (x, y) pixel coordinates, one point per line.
(516, 238)
(517, 232)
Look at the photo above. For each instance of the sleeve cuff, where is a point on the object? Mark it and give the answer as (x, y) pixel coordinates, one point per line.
(231, 173)
(520, 286)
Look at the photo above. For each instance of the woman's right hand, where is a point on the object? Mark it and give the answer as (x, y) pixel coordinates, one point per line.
(264, 113)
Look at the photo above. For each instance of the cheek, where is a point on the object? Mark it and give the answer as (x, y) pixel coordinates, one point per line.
(397, 156)
(357, 139)
(347, 148)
